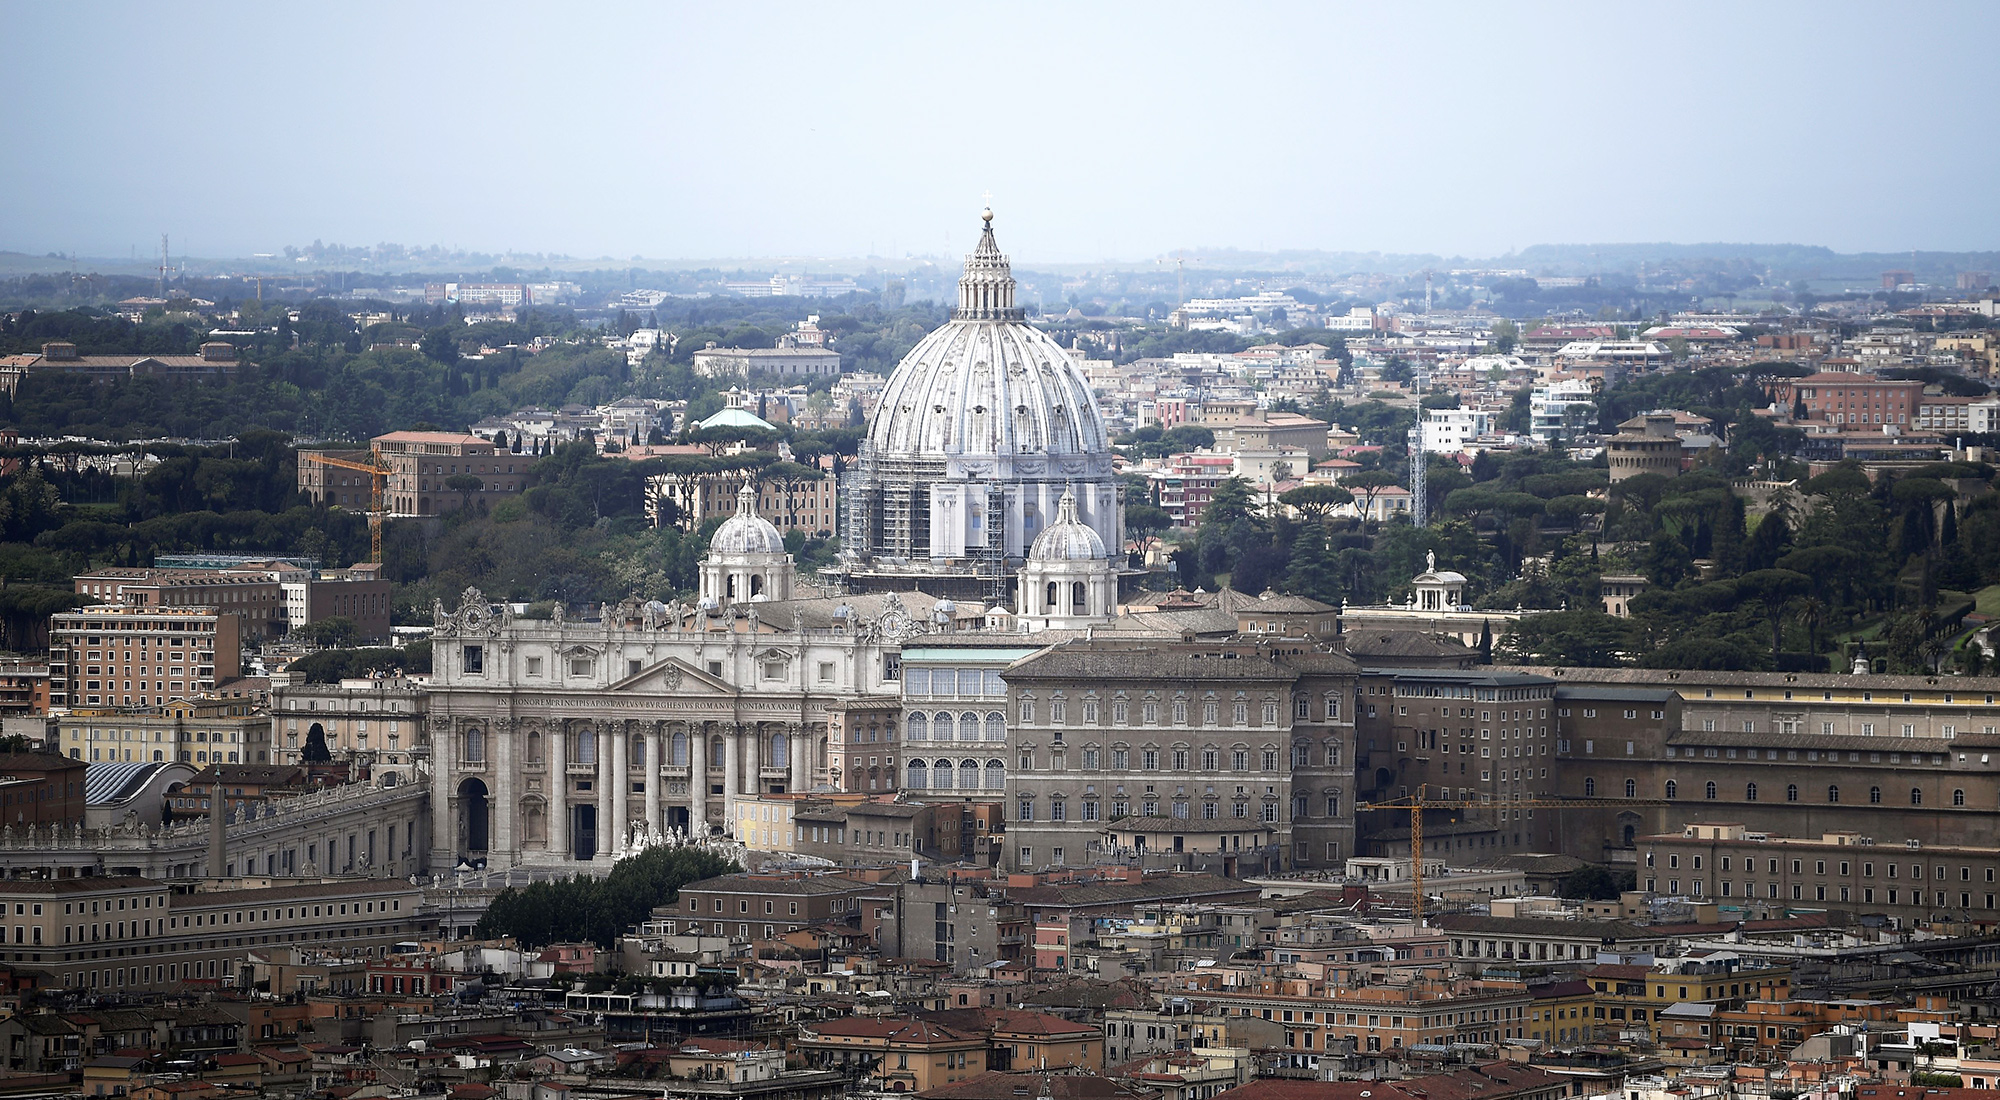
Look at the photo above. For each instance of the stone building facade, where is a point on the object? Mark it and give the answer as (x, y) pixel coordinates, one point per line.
(563, 741)
(1113, 734)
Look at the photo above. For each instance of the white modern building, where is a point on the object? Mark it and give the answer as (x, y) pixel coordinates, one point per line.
(1559, 410)
(1452, 431)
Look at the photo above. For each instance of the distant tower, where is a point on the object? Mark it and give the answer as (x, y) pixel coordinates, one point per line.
(1419, 506)
(163, 265)
(1427, 291)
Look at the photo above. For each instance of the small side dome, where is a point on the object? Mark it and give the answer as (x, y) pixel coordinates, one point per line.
(746, 532)
(1068, 538)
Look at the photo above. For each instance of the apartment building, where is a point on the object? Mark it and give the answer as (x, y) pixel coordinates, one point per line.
(252, 595)
(24, 686)
(123, 655)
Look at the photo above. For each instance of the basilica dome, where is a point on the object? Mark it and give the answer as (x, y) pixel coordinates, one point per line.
(987, 383)
(980, 430)
(746, 532)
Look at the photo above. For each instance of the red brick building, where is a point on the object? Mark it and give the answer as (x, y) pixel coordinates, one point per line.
(1852, 400)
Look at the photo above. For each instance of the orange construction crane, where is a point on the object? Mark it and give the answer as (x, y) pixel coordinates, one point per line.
(378, 472)
(1417, 804)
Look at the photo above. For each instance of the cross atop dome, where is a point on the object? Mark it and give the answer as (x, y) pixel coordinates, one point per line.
(986, 287)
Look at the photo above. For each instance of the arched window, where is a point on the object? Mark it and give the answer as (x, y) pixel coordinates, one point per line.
(1631, 788)
(996, 726)
(1709, 791)
(680, 749)
(756, 584)
(534, 746)
(1874, 795)
(941, 726)
(158, 756)
(919, 776)
(1750, 792)
(1957, 796)
(475, 745)
(968, 774)
(781, 751)
(1079, 602)
(1589, 788)
(1833, 792)
(1791, 792)
(1673, 788)
(1050, 605)
(586, 746)
(920, 728)
(968, 726)
(1916, 796)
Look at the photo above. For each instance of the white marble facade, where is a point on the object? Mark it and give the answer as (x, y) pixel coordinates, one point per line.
(567, 742)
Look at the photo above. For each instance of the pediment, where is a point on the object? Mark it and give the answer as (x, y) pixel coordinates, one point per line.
(671, 677)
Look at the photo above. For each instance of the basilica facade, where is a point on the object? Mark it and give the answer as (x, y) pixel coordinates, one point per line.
(570, 742)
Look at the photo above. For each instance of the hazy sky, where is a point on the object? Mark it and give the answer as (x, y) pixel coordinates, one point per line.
(731, 129)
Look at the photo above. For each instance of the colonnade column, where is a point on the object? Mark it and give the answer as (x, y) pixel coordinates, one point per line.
(652, 766)
(444, 765)
(732, 777)
(799, 740)
(754, 745)
(621, 785)
(558, 790)
(698, 750)
(603, 734)
(506, 801)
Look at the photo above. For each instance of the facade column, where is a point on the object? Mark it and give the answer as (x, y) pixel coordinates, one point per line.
(558, 789)
(603, 787)
(698, 739)
(505, 804)
(621, 785)
(444, 761)
(753, 745)
(798, 739)
(732, 776)
(653, 780)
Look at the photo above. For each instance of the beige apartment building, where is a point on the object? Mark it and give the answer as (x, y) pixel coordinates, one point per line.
(124, 656)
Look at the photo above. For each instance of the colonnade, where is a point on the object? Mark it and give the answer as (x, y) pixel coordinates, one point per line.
(534, 790)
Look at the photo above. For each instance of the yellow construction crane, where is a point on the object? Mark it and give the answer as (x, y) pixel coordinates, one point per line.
(1417, 804)
(378, 472)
